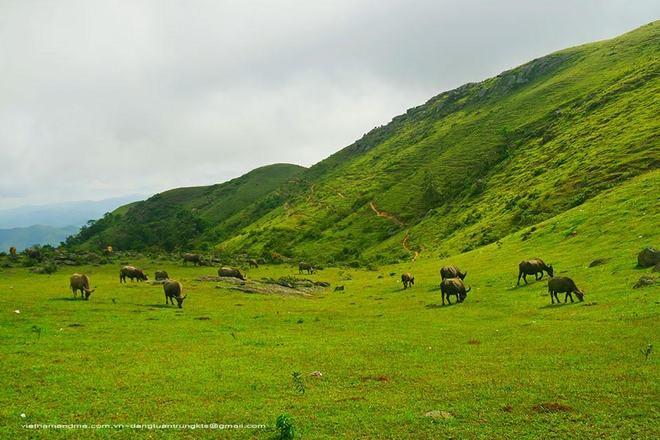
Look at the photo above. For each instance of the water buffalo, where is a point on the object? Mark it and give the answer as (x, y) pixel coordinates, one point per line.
(80, 282)
(407, 279)
(252, 262)
(161, 275)
(34, 254)
(453, 286)
(533, 267)
(452, 272)
(195, 258)
(12, 251)
(302, 266)
(563, 285)
(133, 273)
(230, 272)
(173, 290)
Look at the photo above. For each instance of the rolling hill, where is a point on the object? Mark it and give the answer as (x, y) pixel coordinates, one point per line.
(465, 169)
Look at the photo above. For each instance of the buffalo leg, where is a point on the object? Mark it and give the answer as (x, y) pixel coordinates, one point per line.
(519, 276)
(569, 295)
(552, 298)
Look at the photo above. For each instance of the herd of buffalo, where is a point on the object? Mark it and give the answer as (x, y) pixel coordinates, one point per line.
(452, 283)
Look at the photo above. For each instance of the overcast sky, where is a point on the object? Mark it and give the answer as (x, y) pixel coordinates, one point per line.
(101, 99)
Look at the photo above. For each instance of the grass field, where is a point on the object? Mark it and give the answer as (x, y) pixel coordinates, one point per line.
(503, 364)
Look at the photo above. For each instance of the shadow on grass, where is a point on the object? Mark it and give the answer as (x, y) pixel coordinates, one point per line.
(159, 306)
(439, 306)
(556, 305)
(68, 298)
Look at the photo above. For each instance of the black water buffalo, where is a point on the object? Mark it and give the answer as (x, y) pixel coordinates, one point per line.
(173, 291)
(195, 258)
(161, 275)
(452, 272)
(230, 272)
(407, 279)
(533, 267)
(133, 273)
(453, 286)
(34, 254)
(302, 266)
(563, 285)
(80, 282)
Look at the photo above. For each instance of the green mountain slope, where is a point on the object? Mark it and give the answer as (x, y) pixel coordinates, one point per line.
(463, 170)
(174, 218)
(479, 162)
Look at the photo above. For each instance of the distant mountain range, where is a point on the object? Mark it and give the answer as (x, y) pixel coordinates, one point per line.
(50, 224)
(23, 238)
(61, 214)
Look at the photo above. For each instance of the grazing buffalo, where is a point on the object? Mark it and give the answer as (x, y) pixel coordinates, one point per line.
(12, 251)
(533, 267)
(452, 272)
(302, 266)
(230, 272)
(161, 275)
(252, 262)
(453, 286)
(173, 291)
(563, 285)
(80, 282)
(407, 279)
(195, 258)
(133, 273)
(34, 254)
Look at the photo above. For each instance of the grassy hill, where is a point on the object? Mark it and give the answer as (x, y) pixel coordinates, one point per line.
(174, 218)
(463, 170)
(476, 163)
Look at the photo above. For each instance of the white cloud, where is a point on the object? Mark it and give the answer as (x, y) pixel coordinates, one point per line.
(100, 99)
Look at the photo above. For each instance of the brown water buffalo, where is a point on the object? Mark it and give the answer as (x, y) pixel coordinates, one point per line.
(452, 272)
(533, 267)
(12, 251)
(563, 285)
(407, 279)
(173, 291)
(302, 266)
(453, 286)
(195, 258)
(230, 272)
(161, 275)
(80, 282)
(252, 262)
(133, 273)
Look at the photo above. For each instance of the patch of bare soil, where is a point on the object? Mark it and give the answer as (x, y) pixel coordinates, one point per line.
(551, 407)
(289, 286)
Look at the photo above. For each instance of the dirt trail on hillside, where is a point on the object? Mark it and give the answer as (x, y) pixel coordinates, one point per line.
(404, 243)
(386, 215)
(393, 219)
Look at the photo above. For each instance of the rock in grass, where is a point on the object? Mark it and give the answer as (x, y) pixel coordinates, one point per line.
(648, 257)
(643, 282)
(436, 414)
(598, 262)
